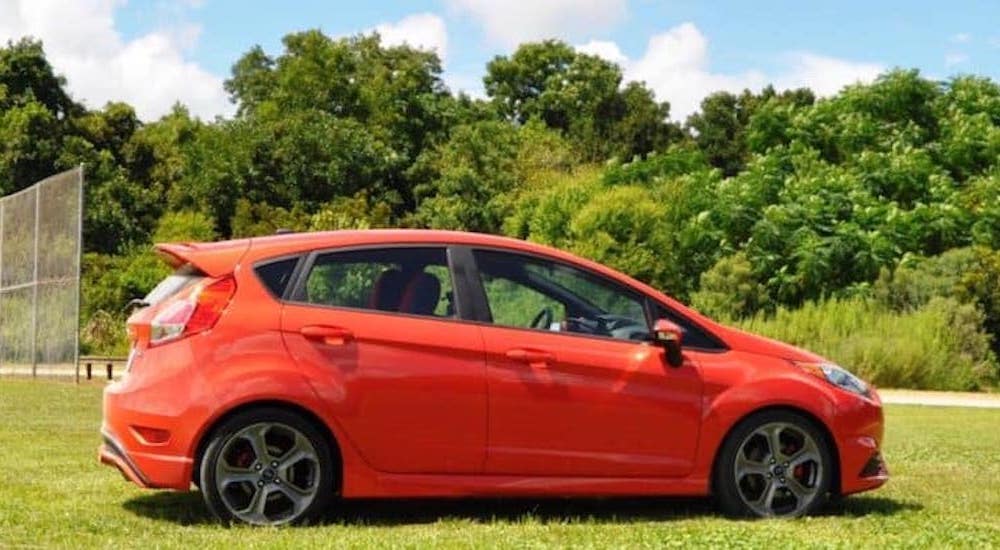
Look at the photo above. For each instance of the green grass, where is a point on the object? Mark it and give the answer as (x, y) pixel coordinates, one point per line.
(945, 491)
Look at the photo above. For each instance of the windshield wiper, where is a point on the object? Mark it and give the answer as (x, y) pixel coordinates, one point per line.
(135, 303)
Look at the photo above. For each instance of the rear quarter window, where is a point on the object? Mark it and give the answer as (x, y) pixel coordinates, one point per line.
(177, 281)
(276, 275)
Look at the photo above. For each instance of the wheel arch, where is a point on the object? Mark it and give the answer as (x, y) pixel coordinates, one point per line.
(308, 415)
(816, 421)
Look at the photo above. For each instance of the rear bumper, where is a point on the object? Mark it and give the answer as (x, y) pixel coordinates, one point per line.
(133, 414)
(147, 470)
(110, 453)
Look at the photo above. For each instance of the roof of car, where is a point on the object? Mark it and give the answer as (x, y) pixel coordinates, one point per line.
(218, 257)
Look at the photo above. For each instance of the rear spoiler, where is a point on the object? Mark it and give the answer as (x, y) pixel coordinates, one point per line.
(213, 259)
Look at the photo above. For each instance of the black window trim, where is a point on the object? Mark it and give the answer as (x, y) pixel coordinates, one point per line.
(720, 346)
(297, 256)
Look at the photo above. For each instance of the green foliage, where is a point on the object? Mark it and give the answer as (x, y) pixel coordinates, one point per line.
(255, 219)
(184, 226)
(649, 218)
(968, 275)
(357, 212)
(729, 291)
(720, 129)
(940, 345)
(581, 96)
(26, 76)
(470, 178)
(762, 201)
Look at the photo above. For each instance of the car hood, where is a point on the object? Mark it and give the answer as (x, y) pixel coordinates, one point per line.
(752, 343)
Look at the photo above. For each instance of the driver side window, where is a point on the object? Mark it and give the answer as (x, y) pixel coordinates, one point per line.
(529, 292)
(515, 305)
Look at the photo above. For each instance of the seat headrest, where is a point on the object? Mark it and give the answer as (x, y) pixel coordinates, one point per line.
(387, 291)
(421, 295)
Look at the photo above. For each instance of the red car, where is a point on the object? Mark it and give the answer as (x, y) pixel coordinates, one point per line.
(278, 373)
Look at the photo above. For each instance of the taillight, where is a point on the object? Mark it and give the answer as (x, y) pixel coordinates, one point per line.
(192, 313)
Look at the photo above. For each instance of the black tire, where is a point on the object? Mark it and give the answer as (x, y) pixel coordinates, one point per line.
(315, 472)
(738, 495)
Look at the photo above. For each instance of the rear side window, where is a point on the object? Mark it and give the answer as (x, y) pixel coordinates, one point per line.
(403, 280)
(276, 275)
(180, 279)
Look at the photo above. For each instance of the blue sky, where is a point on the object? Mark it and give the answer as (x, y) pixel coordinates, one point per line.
(152, 52)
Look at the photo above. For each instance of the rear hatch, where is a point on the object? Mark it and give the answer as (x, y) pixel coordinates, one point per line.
(192, 298)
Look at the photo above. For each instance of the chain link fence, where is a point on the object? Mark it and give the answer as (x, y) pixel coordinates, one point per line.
(40, 248)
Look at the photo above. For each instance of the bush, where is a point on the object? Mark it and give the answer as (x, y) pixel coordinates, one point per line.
(728, 290)
(939, 346)
(968, 275)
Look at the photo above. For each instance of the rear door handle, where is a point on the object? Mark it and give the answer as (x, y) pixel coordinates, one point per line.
(334, 336)
(531, 356)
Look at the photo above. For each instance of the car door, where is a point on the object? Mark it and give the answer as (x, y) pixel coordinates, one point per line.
(574, 387)
(407, 377)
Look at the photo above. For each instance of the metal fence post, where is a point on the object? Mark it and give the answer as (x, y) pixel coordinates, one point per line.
(79, 269)
(2, 203)
(34, 293)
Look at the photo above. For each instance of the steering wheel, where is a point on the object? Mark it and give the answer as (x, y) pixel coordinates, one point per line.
(543, 320)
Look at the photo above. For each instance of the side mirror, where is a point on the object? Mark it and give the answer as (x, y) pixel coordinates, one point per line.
(669, 335)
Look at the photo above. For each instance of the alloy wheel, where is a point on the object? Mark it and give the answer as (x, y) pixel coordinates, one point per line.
(267, 474)
(778, 470)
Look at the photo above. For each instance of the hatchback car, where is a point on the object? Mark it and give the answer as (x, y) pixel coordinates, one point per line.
(280, 373)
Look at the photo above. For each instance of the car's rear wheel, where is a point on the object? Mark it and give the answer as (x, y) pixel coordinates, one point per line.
(774, 464)
(267, 466)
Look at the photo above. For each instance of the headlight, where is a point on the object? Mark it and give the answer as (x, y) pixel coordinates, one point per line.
(838, 376)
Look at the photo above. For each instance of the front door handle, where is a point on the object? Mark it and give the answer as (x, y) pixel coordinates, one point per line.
(333, 336)
(531, 356)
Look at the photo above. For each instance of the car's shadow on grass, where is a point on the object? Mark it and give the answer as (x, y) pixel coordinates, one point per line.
(188, 509)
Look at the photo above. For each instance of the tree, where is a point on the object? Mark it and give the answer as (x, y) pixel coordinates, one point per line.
(26, 76)
(384, 101)
(469, 178)
(721, 127)
(579, 95)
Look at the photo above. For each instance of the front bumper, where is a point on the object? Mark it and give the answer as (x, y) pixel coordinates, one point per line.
(862, 466)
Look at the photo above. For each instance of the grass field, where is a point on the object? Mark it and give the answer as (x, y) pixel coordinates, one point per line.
(945, 491)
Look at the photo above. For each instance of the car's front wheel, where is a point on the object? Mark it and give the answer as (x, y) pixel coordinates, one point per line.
(267, 466)
(774, 464)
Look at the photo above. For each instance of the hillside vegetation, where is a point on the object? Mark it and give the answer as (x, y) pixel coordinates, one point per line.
(865, 226)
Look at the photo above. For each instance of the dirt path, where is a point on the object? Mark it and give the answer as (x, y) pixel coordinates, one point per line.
(941, 398)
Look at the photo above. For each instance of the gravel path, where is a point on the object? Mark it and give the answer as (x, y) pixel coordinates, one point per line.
(941, 398)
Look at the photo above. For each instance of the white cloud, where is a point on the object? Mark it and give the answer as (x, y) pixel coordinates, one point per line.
(675, 66)
(469, 83)
(511, 23)
(427, 31)
(825, 75)
(604, 49)
(955, 58)
(424, 31)
(961, 38)
(149, 72)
